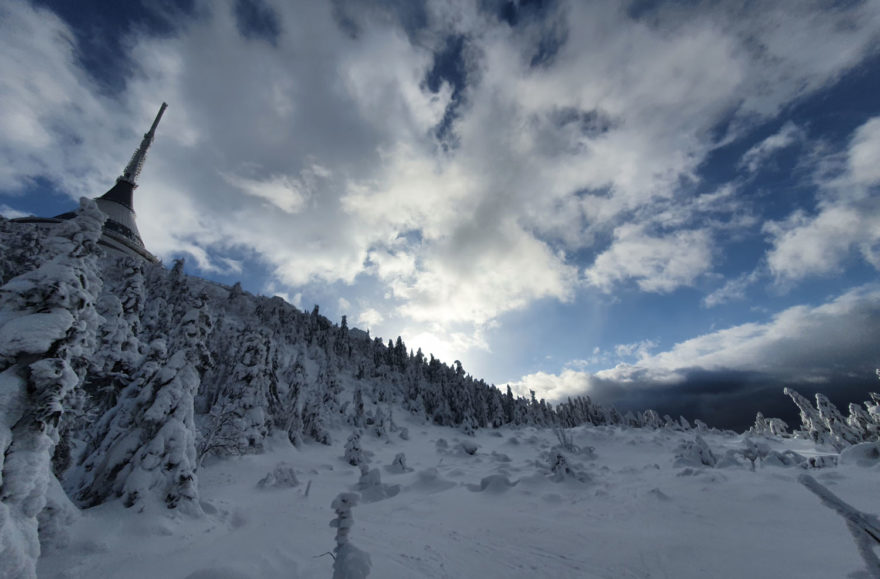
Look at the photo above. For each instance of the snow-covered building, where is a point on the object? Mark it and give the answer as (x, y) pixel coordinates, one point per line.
(121, 235)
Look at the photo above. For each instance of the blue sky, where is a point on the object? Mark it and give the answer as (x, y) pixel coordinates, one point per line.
(667, 204)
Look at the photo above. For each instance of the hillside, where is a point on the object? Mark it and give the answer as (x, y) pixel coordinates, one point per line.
(141, 407)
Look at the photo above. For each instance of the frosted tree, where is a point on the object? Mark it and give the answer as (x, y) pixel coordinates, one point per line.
(651, 419)
(768, 426)
(754, 452)
(145, 450)
(21, 246)
(120, 354)
(313, 418)
(218, 433)
(354, 454)
(47, 334)
(842, 435)
(371, 488)
(865, 424)
(291, 386)
(695, 453)
(559, 465)
(812, 424)
(249, 391)
(398, 465)
(349, 562)
(358, 417)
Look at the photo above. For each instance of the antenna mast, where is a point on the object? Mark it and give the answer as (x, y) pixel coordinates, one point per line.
(133, 169)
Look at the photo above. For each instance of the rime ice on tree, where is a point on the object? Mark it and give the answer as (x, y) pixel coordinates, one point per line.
(47, 335)
(349, 562)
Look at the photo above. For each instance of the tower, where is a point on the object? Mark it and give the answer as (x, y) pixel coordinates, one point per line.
(121, 235)
(120, 230)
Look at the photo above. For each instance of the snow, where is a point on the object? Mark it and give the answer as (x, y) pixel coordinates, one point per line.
(240, 432)
(34, 333)
(463, 515)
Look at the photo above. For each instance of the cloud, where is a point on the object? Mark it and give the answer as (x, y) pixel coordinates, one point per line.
(639, 350)
(554, 387)
(546, 155)
(848, 218)
(369, 318)
(657, 263)
(732, 290)
(800, 343)
(864, 152)
(831, 347)
(10, 212)
(787, 136)
(290, 194)
(48, 103)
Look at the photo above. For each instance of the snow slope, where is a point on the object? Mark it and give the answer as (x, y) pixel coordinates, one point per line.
(623, 510)
(180, 428)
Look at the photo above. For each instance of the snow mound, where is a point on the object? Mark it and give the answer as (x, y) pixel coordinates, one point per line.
(493, 484)
(371, 488)
(215, 573)
(695, 453)
(283, 477)
(865, 455)
(784, 459)
(398, 466)
(430, 481)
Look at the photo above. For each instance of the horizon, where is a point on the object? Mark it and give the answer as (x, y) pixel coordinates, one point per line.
(655, 205)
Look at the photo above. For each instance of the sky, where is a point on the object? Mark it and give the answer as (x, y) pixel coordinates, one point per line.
(667, 204)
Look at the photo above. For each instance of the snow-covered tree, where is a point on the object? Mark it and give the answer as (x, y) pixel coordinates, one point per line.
(354, 454)
(349, 562)
(47, 335)
(398, 465)
(145, 450)
(695, 453)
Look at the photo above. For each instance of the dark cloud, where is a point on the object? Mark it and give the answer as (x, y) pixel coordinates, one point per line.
(731, 398)
(725, 377)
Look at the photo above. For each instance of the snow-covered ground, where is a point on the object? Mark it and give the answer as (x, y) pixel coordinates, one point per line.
(623, 510)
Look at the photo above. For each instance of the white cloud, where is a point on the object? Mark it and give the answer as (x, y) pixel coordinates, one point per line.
(369, 318)
(657, 263)
(443, 344)
(10, 212)
(848, 218)
(732, 290)
(820, 245)
(553, 387)
(48, 101)
(639, 350)
(344, 305)
(787, 136)
(286, 193)
(864, 154)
